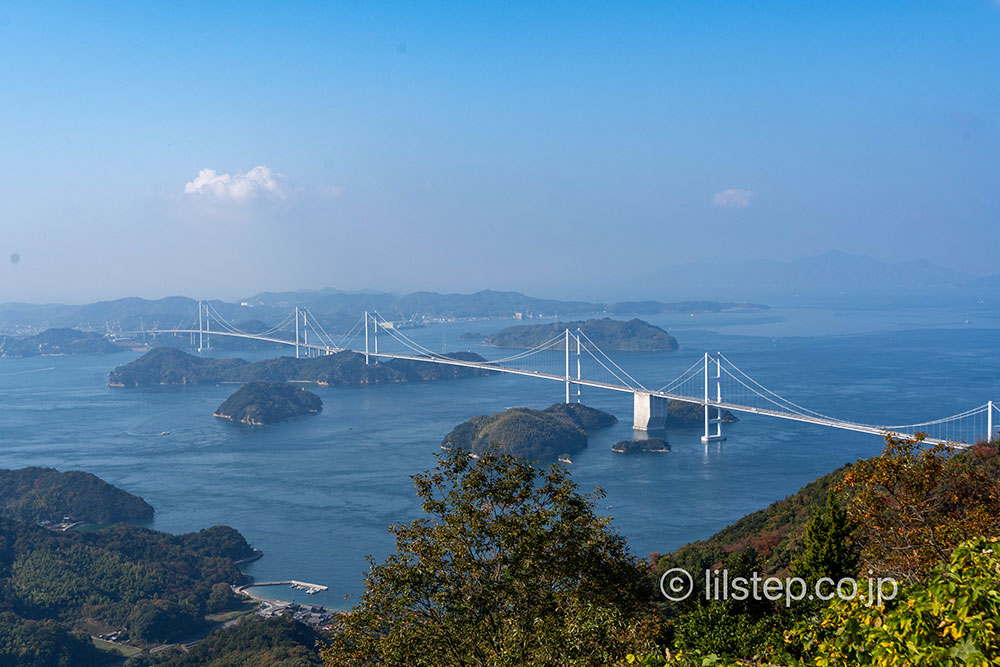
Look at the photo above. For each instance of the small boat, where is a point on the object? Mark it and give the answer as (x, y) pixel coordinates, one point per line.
(565, 459)
(165, 433)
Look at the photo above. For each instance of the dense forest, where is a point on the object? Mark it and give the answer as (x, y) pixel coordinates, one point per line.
(156, 585)
(533, 434)
(253, 642)
(44, 494)
(259, 403)
(606, 333)
(165, 365)
(57, 341)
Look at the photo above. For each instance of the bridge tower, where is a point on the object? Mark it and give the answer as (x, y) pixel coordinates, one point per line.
(567, 365)
(296, 332)
(579, 386)
(366, 338)
(989, 421)
(201, 329)
(713, 379)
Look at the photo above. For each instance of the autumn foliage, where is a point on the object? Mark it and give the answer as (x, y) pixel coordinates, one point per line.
(914, 504)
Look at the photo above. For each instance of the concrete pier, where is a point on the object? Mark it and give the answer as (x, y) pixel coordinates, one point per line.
(649, 413)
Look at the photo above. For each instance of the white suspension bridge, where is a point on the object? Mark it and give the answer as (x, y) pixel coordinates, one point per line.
(572, 358)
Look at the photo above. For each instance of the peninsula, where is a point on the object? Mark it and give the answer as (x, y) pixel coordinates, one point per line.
(37, 495)
(534, 434)
(606, 333)
(259, 403)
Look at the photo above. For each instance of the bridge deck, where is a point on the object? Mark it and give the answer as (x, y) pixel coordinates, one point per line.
(494, 367)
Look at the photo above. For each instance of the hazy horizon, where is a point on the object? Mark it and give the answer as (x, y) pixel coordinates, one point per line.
(719, 290)
(554, 150)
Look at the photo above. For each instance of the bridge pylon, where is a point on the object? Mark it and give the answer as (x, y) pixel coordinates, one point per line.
(713, 380)
(649, 412)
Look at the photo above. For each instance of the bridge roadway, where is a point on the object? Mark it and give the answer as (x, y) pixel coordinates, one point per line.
(490, 366)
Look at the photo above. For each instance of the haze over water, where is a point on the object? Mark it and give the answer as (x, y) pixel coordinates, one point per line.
(317, 494)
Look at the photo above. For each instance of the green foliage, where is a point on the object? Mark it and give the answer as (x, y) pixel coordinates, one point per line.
(162, 621)
(44, 644)
(587, 418)
(914, 504)
(606, 333)
(253, 642)
(829, 548)
(45, 494)
(164, 365)
(735, 628)
(532, 434)
(952, 619)
(512, 566)
(221, 598)
(58, 341)
(268, 402)
(96, 579)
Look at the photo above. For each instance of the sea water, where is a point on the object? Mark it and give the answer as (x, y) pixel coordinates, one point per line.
(318, 493)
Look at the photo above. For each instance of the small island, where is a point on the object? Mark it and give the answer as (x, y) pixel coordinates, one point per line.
(261, 403)
(559, 430)
(606, 333)
(167, 365)
(50, 497)
(637, 446)
(55, 342)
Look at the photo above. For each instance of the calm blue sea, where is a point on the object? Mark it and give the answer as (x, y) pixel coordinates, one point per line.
(317, 494)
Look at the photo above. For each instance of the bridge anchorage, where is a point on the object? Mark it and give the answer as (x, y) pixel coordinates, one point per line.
(713, 382)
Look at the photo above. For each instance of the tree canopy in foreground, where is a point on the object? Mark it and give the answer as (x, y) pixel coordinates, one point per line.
(511, 566)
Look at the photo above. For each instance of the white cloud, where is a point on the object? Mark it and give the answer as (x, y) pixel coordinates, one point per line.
(732, 198)
(258, 183)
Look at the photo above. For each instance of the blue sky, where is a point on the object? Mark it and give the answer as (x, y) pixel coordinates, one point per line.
(557, 148)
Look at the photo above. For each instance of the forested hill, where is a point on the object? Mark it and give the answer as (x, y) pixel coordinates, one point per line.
(57, 342)
(158, 586)
(171, 366)
(533, 434)
(260, 403)
(606, 333)
(44, 494)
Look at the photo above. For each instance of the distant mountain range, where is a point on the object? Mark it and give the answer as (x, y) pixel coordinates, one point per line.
(831, 272)
(336, 309)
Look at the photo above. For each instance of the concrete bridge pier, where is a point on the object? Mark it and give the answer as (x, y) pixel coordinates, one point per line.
(649, 412)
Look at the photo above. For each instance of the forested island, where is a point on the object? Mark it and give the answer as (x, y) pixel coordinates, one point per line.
(534, 434)
(165, 366)
(606, 333)
(34, 495)
(259, 403)
(682, 413)
(658, 445)
(57, 342)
